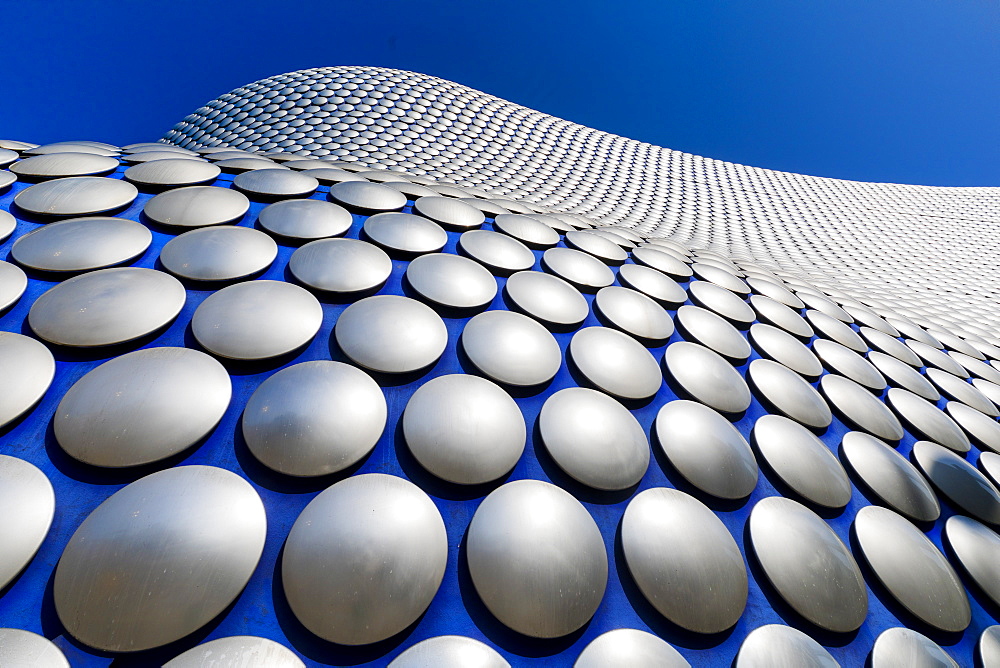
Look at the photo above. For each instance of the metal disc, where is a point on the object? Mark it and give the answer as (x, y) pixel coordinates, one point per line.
(497, 252)
(959, 390)
(652, 283)
(594, 439)
(662, 261)
(449, 652)
(860, 408)
(905, 648)
(582, 270)
(615, 363)
(81, 244)
(364, 559)
(142, 407)
(449, 212)
(273, 183)
(629, 647)
(782, 347)
(60, 165)
(912, 569)
(547, 298)
(983, 430)
(789, 393)
(707, 377)
(29, 505)
(603, 249)
(451, 280)
(197, 206)
(978, 551)
(932, 357)
(172, 172)
(405, 233)
(802, 461)
(890, 476)
(106, 307)
(391, 334)
(305, 219)
(537, 559)
(833, 329)
(464, 429)
(903, 375)
(511, 348)
(634, 313)
(959, 481)
(314, 418)
(712, 331)
(844, 361)
(7, 225)
(76, 196)
(256, 320)
(237, 651)
(27, 369)
(927, 420)
(340, 265)
(779, 315)
(890, 346)
(366, 197)
(218, 253)
(168, 553)
(684, 560)
(706, 449)
(988, 647)
(778, 645)
(808, 564)
(25, 649)
(527, 230)
(721, 301)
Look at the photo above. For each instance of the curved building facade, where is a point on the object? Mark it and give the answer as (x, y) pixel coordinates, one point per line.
(358, 366)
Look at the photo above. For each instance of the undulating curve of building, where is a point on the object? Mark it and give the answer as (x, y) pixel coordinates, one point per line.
(359, 366)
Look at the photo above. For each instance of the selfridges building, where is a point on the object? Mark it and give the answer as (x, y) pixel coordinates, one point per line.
(357, 366)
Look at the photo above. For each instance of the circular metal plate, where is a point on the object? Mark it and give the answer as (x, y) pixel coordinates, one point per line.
(30, 650)
(237, 651)
(340, 265)
(197, 206)
(498, 252)
(81, 244)
(405, 233)
(782, 347)
(890, 476)
(172, 173)
(218, 253)
(712, 331)
(707, 377)
(527, 230)
(275, 183)
(366, 197)
(168, 553)
(629, 647)
(846, 362)
(959, 481)
(615, 363)
(76, 196)
(547, 298)
(60, 165)
(652, 283)
(306, 219)
(449, 652)
(928, 420)
(511, 348)
(978, 550)
(449, 212)
(777, 645)
(634, 313)
(789, 393)
(861, 408)
(451, 280)
(905, 648)
(582, 270)
(27, 369)
(391, 334)
(29, 504)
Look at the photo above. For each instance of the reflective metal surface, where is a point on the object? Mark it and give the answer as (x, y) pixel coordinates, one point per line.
(256, 320)
(106, 307)
(406, 233)
(927, 419)
(27, 369)
(367, 197)
(449, 212)
(712, 331)
(81, 244)
(890, 476)
(464, 429)
(978, 550)
(912, 569)
(983, 430)
(314, 418)
(172, 172)
(237, 651)
(364, 559)
(904, 648)
(789, 393)
(168, 553)
(511, 348)
(860, 408)
(142, 407)
(218, 253)
(634, 313)
(833, 329)
(527, 230)
(305, 219)
(779, 315)
(76, 196)
(629, 647)
(197, 206)
(721, 301)
(901, 374)
(547, 298)
(706, 449)
(615, 363)
(7, 225)
(959, 481)
(58, 165)
(603, 249)
(808, 565)
(782, 347)
(449, 652)
(451, 280)
(958, 389)
(802, 461)
(391, 334)
(274, 183)
(778, 645)
(706, 377)
(29, 504)
(988, 648)
(25, 649)
(497, 252)
(684, 560)
(340, 265)
(537, 559)
(652, 283)
(594, 439)
(842, 360)
(661, 261)
(13, 283)
(582, 270)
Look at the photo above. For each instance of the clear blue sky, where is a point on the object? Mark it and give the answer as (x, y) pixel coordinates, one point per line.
(878, 90)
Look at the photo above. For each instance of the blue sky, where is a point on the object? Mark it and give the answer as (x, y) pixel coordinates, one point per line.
(878, 90)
